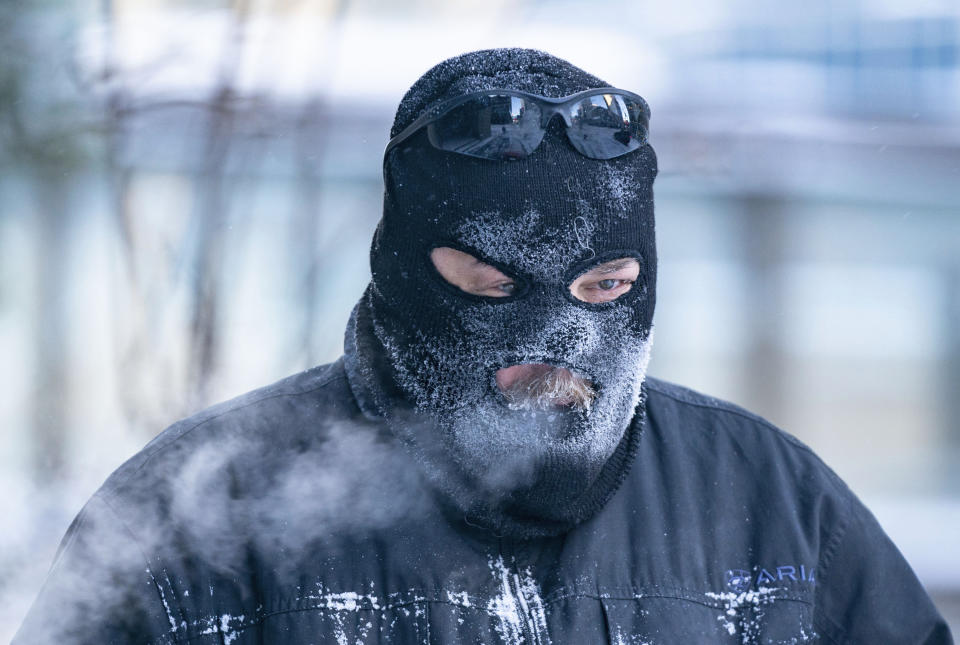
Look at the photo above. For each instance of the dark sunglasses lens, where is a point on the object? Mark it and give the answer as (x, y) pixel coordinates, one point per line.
(605, 126)
(494, 127)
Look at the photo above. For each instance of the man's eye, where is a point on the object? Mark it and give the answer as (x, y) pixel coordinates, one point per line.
(609, 284)
(606, 282)
(507, 288)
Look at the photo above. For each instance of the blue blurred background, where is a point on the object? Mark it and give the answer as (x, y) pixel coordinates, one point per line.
(188, 189)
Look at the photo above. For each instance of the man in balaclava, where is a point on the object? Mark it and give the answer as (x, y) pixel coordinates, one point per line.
(488, 462)
(428, 351)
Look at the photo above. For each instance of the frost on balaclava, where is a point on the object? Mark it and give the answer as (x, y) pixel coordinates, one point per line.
(423, 353)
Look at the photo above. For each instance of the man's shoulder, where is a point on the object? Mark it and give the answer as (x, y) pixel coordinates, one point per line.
(737, 463)
(738, 488)
(660, 390)
(673, 399)
(289, 410)
(733, 437)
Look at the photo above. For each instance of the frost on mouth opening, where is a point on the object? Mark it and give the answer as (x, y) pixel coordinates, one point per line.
(539, 386)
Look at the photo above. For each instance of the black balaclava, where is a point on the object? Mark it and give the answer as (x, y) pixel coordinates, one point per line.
(423, 354)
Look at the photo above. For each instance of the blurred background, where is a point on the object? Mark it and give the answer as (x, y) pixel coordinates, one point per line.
(188, 189)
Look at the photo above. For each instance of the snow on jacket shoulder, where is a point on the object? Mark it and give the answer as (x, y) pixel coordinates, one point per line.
(287, 516)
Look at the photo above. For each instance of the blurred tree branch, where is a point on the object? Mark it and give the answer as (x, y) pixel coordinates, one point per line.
(41, 145)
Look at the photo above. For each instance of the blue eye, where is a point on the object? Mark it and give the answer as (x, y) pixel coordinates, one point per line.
(607, 284)
(507, 288)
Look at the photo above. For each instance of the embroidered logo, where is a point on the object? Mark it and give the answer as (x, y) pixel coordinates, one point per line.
(739, 580)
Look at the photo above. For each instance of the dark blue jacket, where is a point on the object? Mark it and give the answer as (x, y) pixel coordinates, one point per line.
(286, 516)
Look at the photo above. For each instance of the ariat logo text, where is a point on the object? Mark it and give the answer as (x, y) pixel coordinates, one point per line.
(742, 579)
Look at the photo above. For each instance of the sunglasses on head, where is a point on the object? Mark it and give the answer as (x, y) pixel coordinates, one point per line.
(498, 125)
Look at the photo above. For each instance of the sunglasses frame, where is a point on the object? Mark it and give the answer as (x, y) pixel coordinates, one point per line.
(548, 107)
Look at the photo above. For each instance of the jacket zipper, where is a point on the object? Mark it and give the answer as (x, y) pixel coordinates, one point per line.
(519, 600)
(523, 610)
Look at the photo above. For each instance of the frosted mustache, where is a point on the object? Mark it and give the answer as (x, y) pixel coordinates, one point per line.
(552, 388)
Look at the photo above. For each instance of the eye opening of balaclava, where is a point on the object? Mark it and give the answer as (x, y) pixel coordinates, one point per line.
(637, 290)
(423, 352)
(522, 282)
